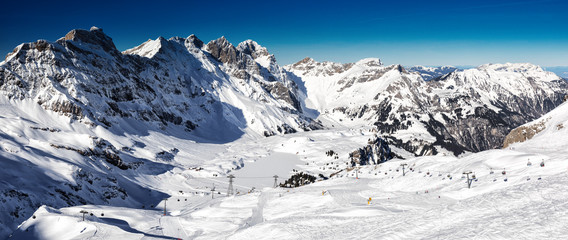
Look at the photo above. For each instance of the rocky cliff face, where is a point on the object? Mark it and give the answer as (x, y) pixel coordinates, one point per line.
(469, 110)
(523, 133)
(377, 151)
(548, 130)
(167, 82)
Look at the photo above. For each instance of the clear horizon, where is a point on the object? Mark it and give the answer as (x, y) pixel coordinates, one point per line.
(409, 33)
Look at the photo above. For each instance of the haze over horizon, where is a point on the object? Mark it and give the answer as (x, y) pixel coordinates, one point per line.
(409, 33)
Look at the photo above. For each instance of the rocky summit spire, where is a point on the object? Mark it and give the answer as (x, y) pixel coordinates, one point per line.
(222, 50)
(94, 36)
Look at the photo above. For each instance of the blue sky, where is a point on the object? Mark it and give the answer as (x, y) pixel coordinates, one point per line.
(406, 32)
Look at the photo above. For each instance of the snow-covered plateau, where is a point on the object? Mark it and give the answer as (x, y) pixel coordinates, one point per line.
(101, 144)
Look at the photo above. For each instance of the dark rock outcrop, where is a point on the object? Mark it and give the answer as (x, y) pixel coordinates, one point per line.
(377, 151)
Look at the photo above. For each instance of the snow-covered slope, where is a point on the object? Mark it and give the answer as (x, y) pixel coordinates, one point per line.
(469, 110)
(507, 199)
(46, 159)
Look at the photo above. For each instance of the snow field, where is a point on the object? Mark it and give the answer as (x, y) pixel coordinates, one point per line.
(418, 205)
(400, 207)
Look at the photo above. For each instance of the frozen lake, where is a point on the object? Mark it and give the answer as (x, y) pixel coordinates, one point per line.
(256, 174)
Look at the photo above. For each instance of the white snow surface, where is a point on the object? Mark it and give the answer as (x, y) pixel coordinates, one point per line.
(424, 204)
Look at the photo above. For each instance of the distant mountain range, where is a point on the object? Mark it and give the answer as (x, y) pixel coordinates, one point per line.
(219, 92)
(561, 71)
(456, 111)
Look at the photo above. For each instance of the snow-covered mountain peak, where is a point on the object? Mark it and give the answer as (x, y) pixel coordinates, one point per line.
(371, 62)
(252, 48)
(193, 42)
(151, 48)
(425, 68)
(161, 45)
(517, 78)
(512, 67)
(146, 49)
(313, 68)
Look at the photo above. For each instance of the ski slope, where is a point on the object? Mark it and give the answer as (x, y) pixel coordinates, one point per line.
(424, 204)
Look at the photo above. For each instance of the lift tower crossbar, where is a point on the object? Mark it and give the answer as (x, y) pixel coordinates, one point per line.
(469, 180)
(403, 169)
